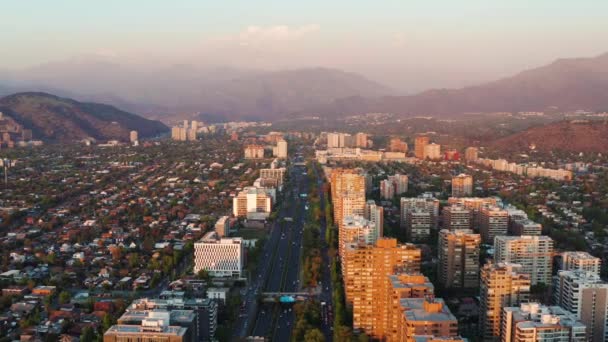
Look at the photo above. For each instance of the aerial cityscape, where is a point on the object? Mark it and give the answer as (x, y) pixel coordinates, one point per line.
(344, 171)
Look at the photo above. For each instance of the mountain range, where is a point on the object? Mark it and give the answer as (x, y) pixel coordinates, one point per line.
(218, 94)
(57, 119)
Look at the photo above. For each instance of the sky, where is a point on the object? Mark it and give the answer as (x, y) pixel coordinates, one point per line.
(409, 45)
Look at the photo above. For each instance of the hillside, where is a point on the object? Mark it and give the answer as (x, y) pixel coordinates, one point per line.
(54, 118)
(566, 84)
(567, 136)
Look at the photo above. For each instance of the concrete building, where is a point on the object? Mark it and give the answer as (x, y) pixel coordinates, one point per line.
(274, 173)
(501, 285)
(222, 226)
(462, 185)
(400, 286)
(494, 222)
(252, 203)
(533, 253)
(418, 225)
(148, 331)
(347, 193)
(282, 149)
(133, 136)
(340, 140)
(533, 322)
(420, 143)
(361, 140)
(432, 151)
(400, 183)
(471, 154)
(457, 217)
(585, 295)
(458, 264)
(220, 257)
(397, 145)
(365, 269)
(387, 189)
(254, 152)
(358, 230)
(580, 261)
(375, 214)
(424, 203)
(422, 316)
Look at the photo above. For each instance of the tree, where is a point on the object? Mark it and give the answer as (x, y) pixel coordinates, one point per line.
(86, 335)
(64, 297)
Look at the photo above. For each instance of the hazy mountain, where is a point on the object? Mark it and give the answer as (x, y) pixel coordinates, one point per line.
(60, 119)
(566, 84)
(214, 92)
(569, 136)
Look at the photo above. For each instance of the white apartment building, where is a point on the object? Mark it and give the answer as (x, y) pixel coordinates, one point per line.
(533, 322)
(533, 253)
(252, 203)
(221, 257)
(580, 261)
(282, 149)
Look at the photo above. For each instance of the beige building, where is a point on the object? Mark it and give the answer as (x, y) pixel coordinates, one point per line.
(361, 140)
(252, 203)
(424, 316)
(418, 225)
(254, 152)
(501, 285)
(282, 149)
(400, 183)
(148, 331)
(365, 269)
(347, 193)
(471, 154)
(133, 136)
(356, 229)
(276, 173)
(533, 253)
(581, 261)
(457, 217)
(397, 145)
(533, 322)
(462, 185)
(432, 151)
(220, 257)
(429, 204)
(459, 258)
(400, 286)
(375, 214)
(494, 222)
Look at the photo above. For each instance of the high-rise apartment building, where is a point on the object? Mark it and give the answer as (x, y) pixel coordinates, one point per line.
(432, 151)
(533, 253)
(254, 152)
(457, 217)
(276, 173)
(375, 214)
(462, 185)
(400, 183)
(420, 143)
(220, 257)
(424, 203)
(339, 140)
(356, 229)
(347, 193)
(494, 222)
(580, 261)
(365, 269)
(387, 189)
(400, 286)
(475, 204)
(533, 322)
(282, 149)
(253, 203)
(459, 258)
(501, 285)
(361, 140)
(397, 145)
(418, 225)
(471, 154)
(133, 136)
(427, 316)
(584, 294)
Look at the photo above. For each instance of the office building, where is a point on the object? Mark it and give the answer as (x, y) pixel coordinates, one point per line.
(584, 294)
(252, 203)
(471, 154)
(424, 203)
(533, 322)
(400, 286)
(220, 257)
(375, 214)
(456, 217)
(400, 183)
(533, 253)
(133, 136)
(432, 151)
(418, 225)
(152, 330)
(365, 269)
(282, 149)
(501, 285)
(387, 189)
(458, 264)
(254, 152)
(580, 261)
(422, 316)
(494, 222)
(420, 143)
(462, 185)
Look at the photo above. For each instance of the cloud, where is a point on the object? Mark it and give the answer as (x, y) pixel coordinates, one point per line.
(262, 35)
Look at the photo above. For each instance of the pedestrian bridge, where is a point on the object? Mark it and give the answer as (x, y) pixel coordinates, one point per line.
(279, 296)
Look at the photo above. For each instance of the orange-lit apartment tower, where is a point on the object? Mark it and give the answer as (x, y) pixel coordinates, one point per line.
(426, 316)
(365, 268)
(400, 286)
(419, 144)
